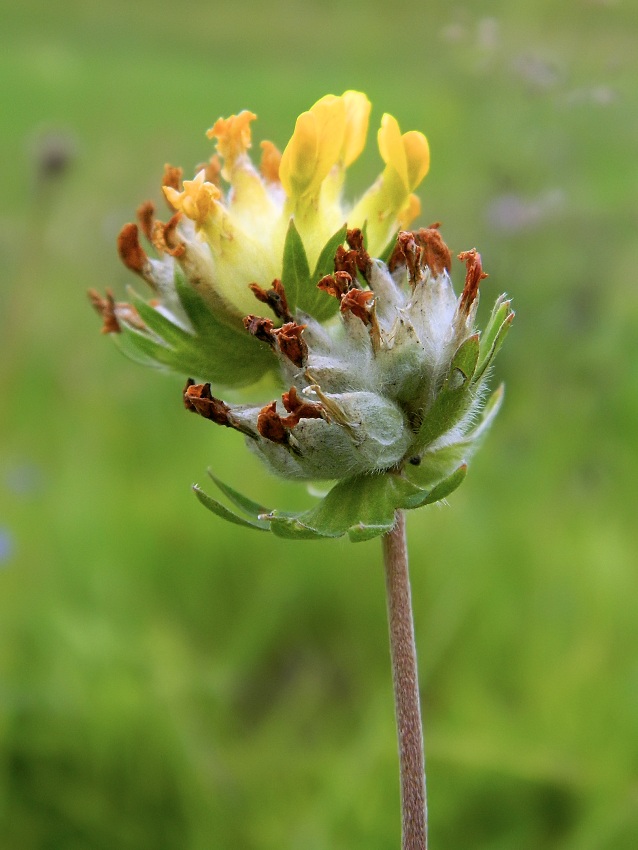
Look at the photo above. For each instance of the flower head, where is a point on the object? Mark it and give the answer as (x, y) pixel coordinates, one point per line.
(382, 373)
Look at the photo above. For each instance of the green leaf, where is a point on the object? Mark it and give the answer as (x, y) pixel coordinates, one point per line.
(250, 508)
(234, 357)
(172, 334)
(363, 507)
(362, 503)
(326, 262)
(295, 275)
(454, 398)
(226, 514)
(224, 354)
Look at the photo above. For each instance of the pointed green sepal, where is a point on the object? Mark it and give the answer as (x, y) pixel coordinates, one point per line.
(319, 304)
(295, 275)
(224, 513)
(326, 262)
(362, 507)
(252, 509)
(493, 338)
(454, 398)
(446, 487)
(439, 463)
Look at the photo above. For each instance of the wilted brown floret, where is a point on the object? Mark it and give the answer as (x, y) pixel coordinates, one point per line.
(275, 298)
(212, 170)
(165, 237)
(105, 307)
(407, 252)
(336, 284)
(346, 261)
(299, 408)
(359, 303)
(131, 252)
(270, 424)
(277, 428)
(261, 328)
(145, 214)
(436, 254)
(199, 399)
(173, 177)
(111, 311)
(473, 276)
(354, 238)
(291, 343)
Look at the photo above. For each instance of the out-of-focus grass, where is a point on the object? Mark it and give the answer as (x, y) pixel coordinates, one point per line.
(169, 682)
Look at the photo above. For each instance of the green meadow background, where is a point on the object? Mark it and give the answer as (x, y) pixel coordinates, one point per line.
(170, 682)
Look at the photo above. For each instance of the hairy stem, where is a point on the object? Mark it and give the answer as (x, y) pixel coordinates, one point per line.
(406, 689)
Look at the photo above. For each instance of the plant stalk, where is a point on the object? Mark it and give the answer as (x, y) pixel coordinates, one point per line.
(406, 689)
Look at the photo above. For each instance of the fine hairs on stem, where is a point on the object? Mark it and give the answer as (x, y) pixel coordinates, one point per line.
(406, 688)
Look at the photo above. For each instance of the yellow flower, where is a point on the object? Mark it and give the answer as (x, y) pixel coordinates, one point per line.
(197, 200)
(243, 228)
(390, 200)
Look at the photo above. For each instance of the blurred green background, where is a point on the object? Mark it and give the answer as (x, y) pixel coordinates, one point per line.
(169, 681)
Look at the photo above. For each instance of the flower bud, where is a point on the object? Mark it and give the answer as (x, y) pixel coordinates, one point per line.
(382, 374)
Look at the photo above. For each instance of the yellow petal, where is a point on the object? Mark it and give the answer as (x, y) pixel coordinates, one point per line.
(408, 154)
(417, 154)
(197, 200)
(233, 138)
(357, 118)
(314, 148)
(411, 210)
(391, 146)
(270, 160)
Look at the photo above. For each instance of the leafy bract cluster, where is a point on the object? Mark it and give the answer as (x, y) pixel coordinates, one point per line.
(381, 369)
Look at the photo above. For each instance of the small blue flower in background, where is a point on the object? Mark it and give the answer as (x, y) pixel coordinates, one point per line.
(6, 546)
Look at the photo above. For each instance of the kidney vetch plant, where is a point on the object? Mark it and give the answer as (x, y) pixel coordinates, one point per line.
(382, 372)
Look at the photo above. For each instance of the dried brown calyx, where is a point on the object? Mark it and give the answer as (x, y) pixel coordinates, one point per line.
(473, 276)
(354, 260)
(275, 298)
